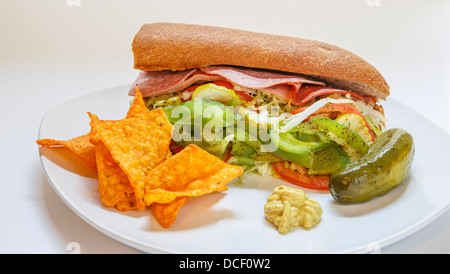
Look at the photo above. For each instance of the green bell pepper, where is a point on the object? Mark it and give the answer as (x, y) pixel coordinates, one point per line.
(287, 142)
(322, 161)
(348, 139)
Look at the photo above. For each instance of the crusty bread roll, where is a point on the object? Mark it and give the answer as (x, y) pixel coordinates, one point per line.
(173, 46)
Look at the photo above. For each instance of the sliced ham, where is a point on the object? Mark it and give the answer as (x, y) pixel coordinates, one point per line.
(155, 83)
(256, 79)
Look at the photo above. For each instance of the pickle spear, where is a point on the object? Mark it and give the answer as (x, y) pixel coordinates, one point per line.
(384, 167)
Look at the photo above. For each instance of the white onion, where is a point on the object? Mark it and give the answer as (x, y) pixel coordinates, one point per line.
(296, 119)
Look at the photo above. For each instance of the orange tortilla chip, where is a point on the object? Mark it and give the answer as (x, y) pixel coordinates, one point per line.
(138, 106)
(81, 146)
(137, 144)
(167, 213)
(189, 173)
(123, 152)
(114, 187)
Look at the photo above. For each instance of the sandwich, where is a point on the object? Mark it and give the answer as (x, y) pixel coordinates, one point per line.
(280, 106)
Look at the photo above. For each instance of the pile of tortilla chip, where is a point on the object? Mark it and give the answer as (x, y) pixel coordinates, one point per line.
(135, 166)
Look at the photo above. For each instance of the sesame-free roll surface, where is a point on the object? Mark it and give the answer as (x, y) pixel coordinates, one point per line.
(177, 47)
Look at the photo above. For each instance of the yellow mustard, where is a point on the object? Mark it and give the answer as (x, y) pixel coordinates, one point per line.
(289, 207)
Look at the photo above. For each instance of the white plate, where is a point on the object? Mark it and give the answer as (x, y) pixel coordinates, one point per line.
(233, 221)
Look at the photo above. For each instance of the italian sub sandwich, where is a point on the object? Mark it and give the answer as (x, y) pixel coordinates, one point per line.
(288, 107)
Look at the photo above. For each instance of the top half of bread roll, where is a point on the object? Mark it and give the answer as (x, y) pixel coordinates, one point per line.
(174, 46)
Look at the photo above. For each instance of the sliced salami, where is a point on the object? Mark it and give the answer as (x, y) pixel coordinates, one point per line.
(153, 83)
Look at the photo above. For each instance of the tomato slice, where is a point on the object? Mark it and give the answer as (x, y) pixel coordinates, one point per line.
(317, 182)
(244, 96)
(193, 87)
(341, 108)
(228, 156)
(174, 147)
(222, 83)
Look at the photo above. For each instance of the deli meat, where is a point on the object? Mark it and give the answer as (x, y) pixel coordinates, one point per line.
(153, 83)
(256, 79)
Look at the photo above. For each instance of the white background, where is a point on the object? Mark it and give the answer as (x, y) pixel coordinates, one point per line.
(54, 50)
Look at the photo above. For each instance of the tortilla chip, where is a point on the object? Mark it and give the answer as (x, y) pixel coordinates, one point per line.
(137, 144)
(167, 213)
(114, 176)
(189, 173)
(138, 105)
(81, 146)
(114, 187)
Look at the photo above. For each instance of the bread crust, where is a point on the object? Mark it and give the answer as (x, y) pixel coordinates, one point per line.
(175, 46)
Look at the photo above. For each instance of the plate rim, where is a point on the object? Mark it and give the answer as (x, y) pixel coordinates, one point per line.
(136, 244)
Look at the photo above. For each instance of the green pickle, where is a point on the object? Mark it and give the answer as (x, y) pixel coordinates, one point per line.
(383, 168)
